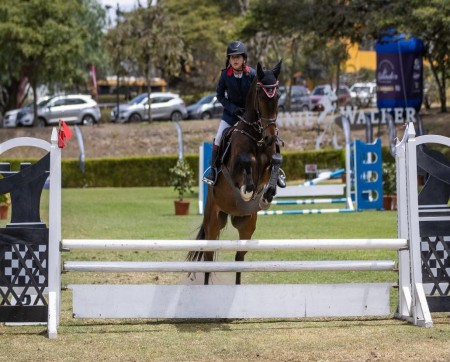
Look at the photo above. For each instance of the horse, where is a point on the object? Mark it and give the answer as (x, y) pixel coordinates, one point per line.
(247, 178)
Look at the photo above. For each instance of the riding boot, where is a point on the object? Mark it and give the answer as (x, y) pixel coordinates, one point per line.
(211, 177)
(281, 181)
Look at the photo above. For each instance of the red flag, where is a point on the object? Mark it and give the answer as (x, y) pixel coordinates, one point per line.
(64, 134)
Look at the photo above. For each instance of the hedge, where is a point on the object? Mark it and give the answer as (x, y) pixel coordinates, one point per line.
(154, 170)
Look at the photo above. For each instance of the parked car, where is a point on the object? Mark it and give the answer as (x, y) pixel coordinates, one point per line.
(363, 94)
(22, 116)
(73, 109)
(164, 105)
(319, 91)
(25, 117)
(206, 108)
(10, 118)
(300, 99)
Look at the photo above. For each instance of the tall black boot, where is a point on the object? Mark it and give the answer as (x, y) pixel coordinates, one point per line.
(281, 181)
(211, 177)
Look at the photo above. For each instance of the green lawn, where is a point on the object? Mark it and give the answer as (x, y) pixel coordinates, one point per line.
(148, 213)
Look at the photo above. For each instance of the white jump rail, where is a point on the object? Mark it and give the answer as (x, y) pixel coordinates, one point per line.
(227, 266)
(231, 301)
(234, 245)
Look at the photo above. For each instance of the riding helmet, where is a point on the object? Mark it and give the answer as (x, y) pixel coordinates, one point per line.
(236, 48)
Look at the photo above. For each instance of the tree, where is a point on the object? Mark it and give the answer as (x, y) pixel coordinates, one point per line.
(150, 41)
(206, 29)
(45, 42)
(430, 21)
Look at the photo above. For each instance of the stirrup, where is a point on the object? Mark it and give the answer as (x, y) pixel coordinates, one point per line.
(210, 177)
(281, 181)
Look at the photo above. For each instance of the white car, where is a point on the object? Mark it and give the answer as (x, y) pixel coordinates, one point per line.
(164, 106)
(25, 117)
(10, 118)
(74, 109)
(364, 94)
(21, 116)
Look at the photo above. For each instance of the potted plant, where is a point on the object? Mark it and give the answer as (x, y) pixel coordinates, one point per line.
(389, 186)
(182, 180)
(5, 202)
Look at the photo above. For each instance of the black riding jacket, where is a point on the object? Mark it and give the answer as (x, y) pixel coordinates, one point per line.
(232, 92)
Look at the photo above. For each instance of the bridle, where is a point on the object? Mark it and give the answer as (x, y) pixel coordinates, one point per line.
(270, 90)
(263, 123)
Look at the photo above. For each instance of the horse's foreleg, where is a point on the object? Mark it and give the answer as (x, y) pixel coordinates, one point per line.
(246, 225)
(239, 257)
(212, 224)
(208, 256)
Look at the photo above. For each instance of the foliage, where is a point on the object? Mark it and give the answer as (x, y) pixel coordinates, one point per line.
(5, 200)
(145, 40)
(46, 42)
(389, 179)
(182, 178)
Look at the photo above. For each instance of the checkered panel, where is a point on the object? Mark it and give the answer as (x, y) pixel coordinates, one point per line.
(436, 264)
(25, 264)
(23, 269)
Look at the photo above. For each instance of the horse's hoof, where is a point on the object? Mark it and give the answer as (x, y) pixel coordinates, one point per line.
(246, 196)
(264, 204)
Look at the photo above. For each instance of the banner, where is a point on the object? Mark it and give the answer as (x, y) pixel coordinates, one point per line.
(399, 72)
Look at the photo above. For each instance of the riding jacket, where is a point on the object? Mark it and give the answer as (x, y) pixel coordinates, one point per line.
(232, 92)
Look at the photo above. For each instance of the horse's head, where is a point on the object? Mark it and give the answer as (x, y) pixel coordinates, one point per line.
(267, 96)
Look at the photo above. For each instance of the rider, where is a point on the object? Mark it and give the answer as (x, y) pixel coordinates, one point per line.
(232, 89)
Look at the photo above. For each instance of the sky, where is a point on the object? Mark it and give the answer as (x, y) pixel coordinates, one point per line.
(124, 5)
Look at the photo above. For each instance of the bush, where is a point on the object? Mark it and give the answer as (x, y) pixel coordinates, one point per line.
(182, 178)
(389, 179)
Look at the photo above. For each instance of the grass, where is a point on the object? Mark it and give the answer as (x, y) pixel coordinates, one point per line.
(148, 213)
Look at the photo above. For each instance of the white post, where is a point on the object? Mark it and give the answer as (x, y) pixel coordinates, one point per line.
(404, 275)
(54, 255)
(420, 312)
(348, 173)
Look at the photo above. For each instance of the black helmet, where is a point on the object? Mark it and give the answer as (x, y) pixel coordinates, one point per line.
(236, 48)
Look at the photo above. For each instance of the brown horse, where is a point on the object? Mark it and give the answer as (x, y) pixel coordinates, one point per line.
(251, 161)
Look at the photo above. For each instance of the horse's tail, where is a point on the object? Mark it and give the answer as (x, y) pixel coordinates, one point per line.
(197, 255)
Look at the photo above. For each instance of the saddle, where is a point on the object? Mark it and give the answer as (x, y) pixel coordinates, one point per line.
(224, 146)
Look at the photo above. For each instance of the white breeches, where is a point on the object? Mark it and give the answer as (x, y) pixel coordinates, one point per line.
(222, 127)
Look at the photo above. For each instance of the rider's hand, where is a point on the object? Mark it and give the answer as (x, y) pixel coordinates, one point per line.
(239, 112)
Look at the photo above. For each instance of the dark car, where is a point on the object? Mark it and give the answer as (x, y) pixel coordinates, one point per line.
(206, 108)
(300, 99)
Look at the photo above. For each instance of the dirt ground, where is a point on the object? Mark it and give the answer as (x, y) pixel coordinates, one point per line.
(161, 138)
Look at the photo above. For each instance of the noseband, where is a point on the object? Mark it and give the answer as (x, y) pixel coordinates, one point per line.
(270, 90)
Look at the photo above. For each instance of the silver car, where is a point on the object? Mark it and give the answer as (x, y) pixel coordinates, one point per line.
(75, 109)
(164, 105)
(206, 108)
(10, 118)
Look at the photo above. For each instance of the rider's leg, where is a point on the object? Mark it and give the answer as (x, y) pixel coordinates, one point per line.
(281, 181)
(211, 177)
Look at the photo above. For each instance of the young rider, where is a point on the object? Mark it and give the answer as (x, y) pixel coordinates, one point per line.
(232, 89)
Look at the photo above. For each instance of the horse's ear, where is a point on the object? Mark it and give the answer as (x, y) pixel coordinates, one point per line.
(260, 71)
(276, 70)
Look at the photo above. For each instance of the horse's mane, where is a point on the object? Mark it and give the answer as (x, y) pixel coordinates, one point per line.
(250, 101)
